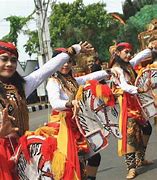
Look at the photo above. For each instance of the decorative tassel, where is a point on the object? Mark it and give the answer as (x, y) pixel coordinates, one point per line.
(58, 165)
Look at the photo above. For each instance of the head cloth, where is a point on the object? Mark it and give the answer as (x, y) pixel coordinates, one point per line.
(6, 47)
(124, 45)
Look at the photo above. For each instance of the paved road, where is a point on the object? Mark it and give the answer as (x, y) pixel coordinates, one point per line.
(112, 167)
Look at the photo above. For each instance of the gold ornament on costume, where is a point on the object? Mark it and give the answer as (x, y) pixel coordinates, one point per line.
(149, 35)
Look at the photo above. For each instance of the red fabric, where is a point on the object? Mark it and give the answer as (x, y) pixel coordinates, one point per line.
(72, 158)
(74, 136)
(6, 47)
(134, 109)
(130, 109)
(48, 147)
(125, 45)
(124, 123)
(106, 91)
(92, 86)
(24, 147)
(61, 49)
(6, 166)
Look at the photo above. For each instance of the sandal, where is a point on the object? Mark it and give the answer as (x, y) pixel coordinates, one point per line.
(131, 174)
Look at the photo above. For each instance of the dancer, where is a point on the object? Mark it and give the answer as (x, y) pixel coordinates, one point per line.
(62, 88)
(133, 142)
(14, 91)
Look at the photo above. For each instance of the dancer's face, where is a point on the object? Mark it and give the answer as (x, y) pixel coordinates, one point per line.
(65, 69)
(125, 54)
(8, 64)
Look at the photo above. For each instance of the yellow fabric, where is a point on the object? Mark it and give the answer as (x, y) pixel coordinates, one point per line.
(42, 131)
(59, 159)
(75, 176)
(58, 165)
(149, 66)
(120, 99)
(98, 91)
(119, 92)
(79, 93)
(62, 138)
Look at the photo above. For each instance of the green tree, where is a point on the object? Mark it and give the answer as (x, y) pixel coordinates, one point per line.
(32, 45)
(75, 22)
(130, 8)
(137, 24)
(16, 25)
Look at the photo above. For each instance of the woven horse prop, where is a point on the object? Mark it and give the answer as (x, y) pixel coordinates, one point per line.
(97, 119)
(147, 80)
(98, 115)
(31, 163)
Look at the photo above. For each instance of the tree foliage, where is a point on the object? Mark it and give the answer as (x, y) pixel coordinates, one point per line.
(137, 24)
(32, 45)
(71, 23)
(16, 25)
(130, 8)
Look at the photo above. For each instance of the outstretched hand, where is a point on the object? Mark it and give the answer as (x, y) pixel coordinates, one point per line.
(6, 124)
(86, 47)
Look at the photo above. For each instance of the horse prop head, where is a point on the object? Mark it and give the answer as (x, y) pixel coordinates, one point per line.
(96, 118)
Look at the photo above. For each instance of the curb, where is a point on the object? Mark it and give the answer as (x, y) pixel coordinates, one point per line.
(37, 107)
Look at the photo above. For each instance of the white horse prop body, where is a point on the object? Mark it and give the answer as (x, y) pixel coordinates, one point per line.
(35, 168)
(147, 80)
(96, 119)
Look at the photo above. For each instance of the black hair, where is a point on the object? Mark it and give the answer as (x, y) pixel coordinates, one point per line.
(124, 65)
(18, 81)
(154, 55)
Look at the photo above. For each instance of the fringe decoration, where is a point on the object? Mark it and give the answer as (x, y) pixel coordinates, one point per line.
(102, 91)
(58, 165)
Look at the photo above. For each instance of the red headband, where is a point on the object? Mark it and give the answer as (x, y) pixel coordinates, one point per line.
(124, 45)
(8, 47)
(61, 49)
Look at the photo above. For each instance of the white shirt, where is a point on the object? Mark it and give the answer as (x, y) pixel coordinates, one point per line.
(134, 61)
(58, 98)
(34, 79)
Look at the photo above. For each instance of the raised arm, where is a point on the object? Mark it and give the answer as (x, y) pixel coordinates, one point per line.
(37, 77)
(152, 47)
(34, 79)
(99, 75)
(140, 56)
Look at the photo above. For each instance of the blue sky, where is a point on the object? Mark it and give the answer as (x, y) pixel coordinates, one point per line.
(26, 7)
